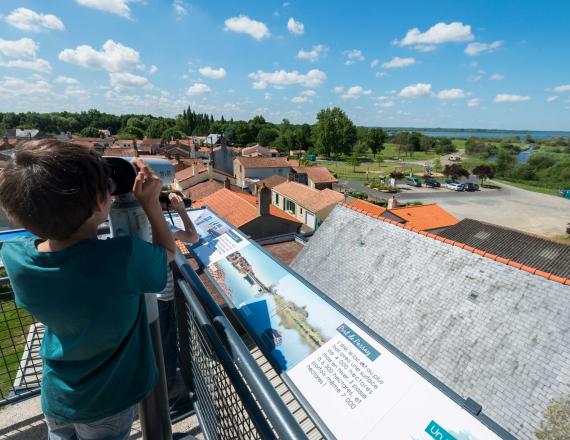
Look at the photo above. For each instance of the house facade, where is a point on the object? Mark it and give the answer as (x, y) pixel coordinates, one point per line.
(250, 169)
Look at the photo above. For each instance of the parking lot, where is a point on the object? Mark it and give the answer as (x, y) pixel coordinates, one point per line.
(512, 207)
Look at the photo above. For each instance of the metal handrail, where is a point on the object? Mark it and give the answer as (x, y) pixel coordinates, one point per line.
(282, 421)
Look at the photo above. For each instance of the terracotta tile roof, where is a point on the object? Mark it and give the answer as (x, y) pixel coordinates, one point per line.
(367, 207)
(273, 181)
(151, 142)
(285, 251)
(513, 263)
(202, 190)
(237, 208)
(263, 162)
(125, 141)
(119, 152)
(425, 217)
(317, 174)
(188, 173)
(311, 199)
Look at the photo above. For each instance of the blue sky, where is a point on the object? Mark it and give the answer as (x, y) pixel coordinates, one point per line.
(484, 64)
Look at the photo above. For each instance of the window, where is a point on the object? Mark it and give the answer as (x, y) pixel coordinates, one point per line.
(290, 206)
(300, 210)
(276, 199)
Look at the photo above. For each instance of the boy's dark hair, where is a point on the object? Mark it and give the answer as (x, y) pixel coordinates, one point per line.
(51, 187)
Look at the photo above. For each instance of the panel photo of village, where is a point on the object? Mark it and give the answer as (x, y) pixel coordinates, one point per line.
(289, 320)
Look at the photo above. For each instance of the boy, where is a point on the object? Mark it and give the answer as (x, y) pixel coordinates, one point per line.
(97, 352)
(167, 316)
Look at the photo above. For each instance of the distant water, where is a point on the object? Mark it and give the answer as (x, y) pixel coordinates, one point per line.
(496, 134)
(521, 157)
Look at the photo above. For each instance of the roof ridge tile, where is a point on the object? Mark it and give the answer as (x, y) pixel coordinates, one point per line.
(531, 270)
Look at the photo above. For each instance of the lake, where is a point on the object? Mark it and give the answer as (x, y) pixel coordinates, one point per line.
(495, 134)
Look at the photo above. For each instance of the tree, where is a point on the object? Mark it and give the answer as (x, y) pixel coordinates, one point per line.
(397, 175)
(136, 132)
(436, 165)
(426, 143)
(266, 136)
(401, 139)
(375, 140)
(555, 425)
(90, 132)
(444, 145)
(483, 172)
(506, 160)
(334, 132)
(156, 128)
(172, 133)
(455, 171)
(354, 160)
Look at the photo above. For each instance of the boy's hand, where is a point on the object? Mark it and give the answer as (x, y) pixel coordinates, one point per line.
(176, 202)
(147, 185)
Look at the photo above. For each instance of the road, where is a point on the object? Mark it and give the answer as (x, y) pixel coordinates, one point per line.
(511, 207)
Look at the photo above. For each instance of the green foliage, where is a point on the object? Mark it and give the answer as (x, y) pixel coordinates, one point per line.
(334, 133)
(375, 140)
(267, 135)
(353, 161)
(156, 128)
(476, 147)
(131, 132)
(91, 132)
(444, 145)
(172, 133)
(506, 160)
(437, 167)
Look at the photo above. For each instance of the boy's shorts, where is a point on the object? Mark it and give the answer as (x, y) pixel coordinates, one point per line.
(115, 427)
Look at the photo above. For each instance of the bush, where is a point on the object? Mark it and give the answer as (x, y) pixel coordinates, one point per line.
(358, 195)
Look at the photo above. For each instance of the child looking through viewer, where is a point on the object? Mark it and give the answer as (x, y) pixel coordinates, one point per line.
(98, 359)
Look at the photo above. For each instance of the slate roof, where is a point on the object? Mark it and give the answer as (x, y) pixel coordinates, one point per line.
(311, 199)
(263, 162)
(425, 217)
(530, 250)
(486, 329)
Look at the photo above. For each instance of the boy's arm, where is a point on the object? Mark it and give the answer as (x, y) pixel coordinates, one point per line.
(189, 234)
(146, 189)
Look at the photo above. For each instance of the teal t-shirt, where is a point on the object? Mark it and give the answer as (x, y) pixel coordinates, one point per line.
(97, 351)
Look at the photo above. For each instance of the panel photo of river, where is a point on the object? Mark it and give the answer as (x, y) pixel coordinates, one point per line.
(289, 320)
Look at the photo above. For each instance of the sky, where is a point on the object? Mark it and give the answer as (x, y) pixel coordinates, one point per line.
(456, 64)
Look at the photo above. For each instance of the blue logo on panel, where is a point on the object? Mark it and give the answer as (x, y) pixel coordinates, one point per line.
(437, 432)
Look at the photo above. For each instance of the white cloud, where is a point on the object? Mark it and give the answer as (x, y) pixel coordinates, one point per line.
(384, 103)
(503, 97)
(152, 70)
(473, 102)
(353, 56)
(425, 47)
(439, 33)
(496, 77)
(76, 92)
(356, 92)
(338, 89)
(308, 93)
(295, 27)
(381, 74)
(312, 55)
(560, 89)
(198, 89)
(210, 72)
(27, 20)
(245, 25)
(24, 47)
(10, 86)
(374, 63)
(451, 94)
(36, 64)
(114, 57)
(179, 9)
(551, 98)
(299, 99)
(117, 7)
(122, 80)
(474, 49)
(415, 90)
(267, 96)
(65, 80)
(282, 78)
(398, 62)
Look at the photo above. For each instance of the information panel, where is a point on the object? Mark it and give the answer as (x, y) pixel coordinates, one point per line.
(359, 389)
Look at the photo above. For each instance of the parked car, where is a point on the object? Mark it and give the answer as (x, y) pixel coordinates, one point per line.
(454, 158)
(455, 186)
(469, 186)
(565, 193)
(413, 181)
(432, 183)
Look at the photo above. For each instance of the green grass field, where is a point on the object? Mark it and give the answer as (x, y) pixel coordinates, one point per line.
(530, 187)
(375, 169)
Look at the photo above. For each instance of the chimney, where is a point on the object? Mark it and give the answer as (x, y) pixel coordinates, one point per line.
(227, 184)
(177, 157)
(193, 151)
(392, 202)
(194, 169)
(263, 200)
(135, 146)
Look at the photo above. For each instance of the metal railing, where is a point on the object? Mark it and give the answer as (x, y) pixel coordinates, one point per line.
(20, 340)
(232, 397)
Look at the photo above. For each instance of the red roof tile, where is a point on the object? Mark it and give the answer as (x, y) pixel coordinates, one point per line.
(425, 217)
(309, 198)
(367, 207)
(263, 162)
(317, 174)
